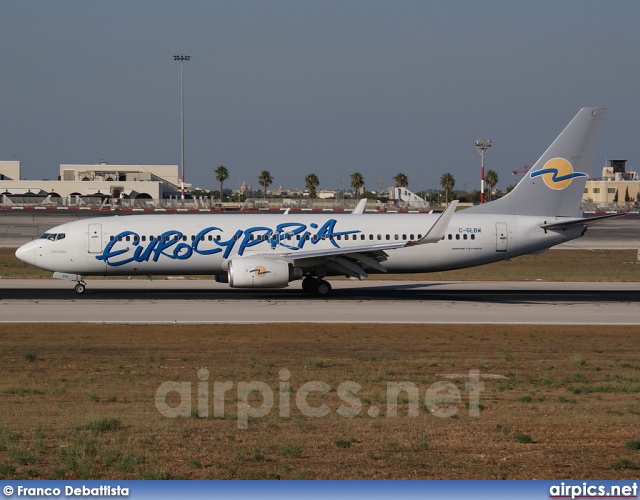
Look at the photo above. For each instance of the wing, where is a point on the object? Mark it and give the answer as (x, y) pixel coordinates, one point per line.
(354, 260)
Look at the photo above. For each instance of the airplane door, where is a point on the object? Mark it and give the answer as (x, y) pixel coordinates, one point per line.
(501, 237)
(95, 238)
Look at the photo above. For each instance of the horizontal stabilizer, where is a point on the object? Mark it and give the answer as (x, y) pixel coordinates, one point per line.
(573, 222)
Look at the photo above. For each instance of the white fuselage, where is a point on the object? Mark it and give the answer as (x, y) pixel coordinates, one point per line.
(204, 243)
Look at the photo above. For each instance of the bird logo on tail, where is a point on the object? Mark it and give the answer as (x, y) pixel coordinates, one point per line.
(557, 173)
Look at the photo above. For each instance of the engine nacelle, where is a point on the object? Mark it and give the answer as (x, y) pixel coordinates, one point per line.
(256, 272)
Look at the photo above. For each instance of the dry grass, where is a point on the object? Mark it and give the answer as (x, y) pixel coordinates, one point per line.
(78, 402)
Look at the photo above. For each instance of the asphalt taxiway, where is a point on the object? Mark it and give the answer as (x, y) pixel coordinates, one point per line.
(206, 302)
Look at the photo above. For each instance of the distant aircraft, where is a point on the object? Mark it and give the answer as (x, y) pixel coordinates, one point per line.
(272, 250)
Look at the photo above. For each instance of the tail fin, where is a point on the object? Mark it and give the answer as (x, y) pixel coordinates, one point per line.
(555, 184)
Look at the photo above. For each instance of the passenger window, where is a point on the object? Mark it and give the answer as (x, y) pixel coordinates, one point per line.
(339, 237)
(144, 238)
(112, 238)
(324, 236)
(184, 237)
(128, 238)
(210, 238)
(379, 236)
(388, 237)
(202, 238)
(218, 238)
(362, 236)
(411, 236)
(307, 237)
(457, 236)
(119, 238)
(371, 236)
(419, 236)
(464, 236)
(450, 236)
(176, 237)
(251, 238)
(298, 237)
(473, 236)
(397, 237)
(235, 237)
(404, 236)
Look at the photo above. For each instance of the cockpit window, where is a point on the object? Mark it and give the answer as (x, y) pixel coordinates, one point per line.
(52, 236)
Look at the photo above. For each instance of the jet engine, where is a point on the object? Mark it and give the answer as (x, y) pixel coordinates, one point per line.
(256, 272)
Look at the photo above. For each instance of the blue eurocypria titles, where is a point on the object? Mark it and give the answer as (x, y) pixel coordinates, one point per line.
(212, 240)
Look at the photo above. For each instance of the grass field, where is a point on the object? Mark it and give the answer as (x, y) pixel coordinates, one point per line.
(78, 401)
(554, 265)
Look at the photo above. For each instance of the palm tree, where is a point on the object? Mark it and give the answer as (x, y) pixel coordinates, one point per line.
(265, 180)
(491, 179)
(401, 180)
(312, 182)
(447, 182)
(222, 174)
(357, 181)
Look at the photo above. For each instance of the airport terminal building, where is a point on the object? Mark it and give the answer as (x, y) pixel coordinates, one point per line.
(90, 184)
(615, 184)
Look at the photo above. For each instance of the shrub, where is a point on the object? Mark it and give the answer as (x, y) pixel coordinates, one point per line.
(522, 438)
(102, 425)
(623, 463)
(290, 450)
(632, 445)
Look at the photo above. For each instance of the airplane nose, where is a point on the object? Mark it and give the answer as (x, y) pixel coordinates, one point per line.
(27, 253)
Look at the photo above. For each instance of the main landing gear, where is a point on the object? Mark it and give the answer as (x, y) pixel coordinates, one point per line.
(80, 287)
(316, 286)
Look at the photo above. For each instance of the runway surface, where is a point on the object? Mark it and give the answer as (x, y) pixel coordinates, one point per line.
(203, 302)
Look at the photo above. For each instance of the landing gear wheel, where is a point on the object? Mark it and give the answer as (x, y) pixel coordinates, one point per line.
(309, 284)
(324, 288)
(79, 288)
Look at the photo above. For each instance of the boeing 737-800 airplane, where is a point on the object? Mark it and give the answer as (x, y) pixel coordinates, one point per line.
(271, 250)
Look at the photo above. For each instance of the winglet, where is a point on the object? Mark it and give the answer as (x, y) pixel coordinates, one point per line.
(439, 229)
(360, 207)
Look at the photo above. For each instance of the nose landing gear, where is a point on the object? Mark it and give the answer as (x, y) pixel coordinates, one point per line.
(80, 283)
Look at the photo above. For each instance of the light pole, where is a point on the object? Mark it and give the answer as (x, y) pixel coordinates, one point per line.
(182, 58)
(482, 146)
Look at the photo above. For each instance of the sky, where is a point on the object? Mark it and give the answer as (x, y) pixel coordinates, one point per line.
(328, 87)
